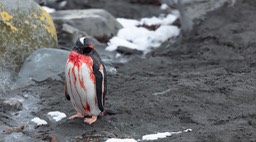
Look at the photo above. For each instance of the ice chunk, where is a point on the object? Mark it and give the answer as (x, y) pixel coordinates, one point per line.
(39, 121)
(56, 115)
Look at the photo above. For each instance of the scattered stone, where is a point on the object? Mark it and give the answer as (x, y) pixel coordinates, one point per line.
(12, 104)
(128, 51)
(14, 129)
(110, 69)
(97, 23)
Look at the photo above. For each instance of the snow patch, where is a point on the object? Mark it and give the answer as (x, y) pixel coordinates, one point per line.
(128, 22)
(48, 9)
(162, 135)
(120, 140)
(117, 41)
(169, 19)
(39, 121)
(135, 36)
(56, 115)
(159, 135)
(164, 6)
(162, 34)
(149, 137)
(161, 93)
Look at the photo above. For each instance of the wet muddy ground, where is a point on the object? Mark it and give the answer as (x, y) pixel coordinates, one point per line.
(204, 82)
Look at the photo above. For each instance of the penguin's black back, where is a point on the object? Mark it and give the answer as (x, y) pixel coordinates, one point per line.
(97, 62)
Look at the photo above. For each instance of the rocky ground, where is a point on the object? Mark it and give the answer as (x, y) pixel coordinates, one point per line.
(204, 82)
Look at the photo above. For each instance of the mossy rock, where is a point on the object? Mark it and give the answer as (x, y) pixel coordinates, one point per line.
(24, 27)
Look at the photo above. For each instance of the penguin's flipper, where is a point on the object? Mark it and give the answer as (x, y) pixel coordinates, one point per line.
(65, 89)
(67, 96)
(99, 79)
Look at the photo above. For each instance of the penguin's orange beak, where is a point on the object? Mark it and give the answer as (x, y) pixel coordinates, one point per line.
(90, 46)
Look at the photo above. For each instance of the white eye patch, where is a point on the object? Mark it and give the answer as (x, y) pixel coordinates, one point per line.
(82, 40)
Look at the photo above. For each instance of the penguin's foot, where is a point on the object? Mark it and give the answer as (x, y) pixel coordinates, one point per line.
(90, 120)
(78, 115)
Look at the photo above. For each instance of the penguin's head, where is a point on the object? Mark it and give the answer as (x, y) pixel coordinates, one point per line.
(83, 45)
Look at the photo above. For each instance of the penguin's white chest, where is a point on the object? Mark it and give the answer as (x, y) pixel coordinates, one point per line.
(81, 86)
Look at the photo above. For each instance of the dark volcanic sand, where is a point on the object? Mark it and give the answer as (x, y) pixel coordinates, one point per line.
(210, 81)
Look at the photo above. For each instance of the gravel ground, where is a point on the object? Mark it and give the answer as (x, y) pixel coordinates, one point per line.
(204, 82)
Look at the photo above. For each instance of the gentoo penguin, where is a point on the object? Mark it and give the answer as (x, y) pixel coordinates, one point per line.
(85, 81)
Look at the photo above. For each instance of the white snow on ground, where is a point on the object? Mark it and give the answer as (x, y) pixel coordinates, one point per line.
(149, 137)
(117, 41)
(56, 115)
(39, 121)
(169, 19)
(161, 93)
(163, 135)
(162, 34)
(140, 38)
(128, 22)
(164, 6)
(48, 9)
(120, 140)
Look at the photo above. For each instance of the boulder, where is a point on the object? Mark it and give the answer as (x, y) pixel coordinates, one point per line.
(69, 36)
(97, 23)
(42, 64)
(25, 26)
(192, 11)
(47, 63)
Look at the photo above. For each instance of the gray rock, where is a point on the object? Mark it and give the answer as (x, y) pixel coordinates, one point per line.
(25, 26)
(193, 10)
(97, 23)
(70, 34)
(128, 51)
(46, 63)
(170, 2)
(154, 2)
(15, 137)
(56, 4)
(110, 69)
(12, 104)
(40, 65)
